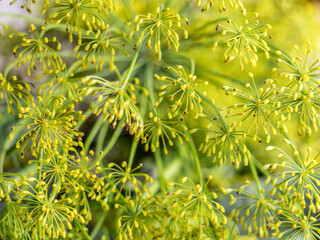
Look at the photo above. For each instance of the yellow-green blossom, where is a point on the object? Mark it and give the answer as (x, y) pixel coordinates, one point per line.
(207, 4)
(196, 206)
(114, 102)
(48, 124)
(15, 93)
(35, 49)
(164, 130)
(258, 210)
(299, 177)
(184, 91)
(100, 47)
(259, 107)
(244, 41)
(159, 26)
(225, 143)
(53, 217)
(79, 15)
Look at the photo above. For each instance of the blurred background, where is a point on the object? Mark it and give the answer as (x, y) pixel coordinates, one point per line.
(294, 22)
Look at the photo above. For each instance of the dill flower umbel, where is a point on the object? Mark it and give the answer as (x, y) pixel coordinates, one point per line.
(114, 102)
(123, 179)
(83, 183)
(36, 49)
(224, 143)
(99, 47)
(259, 107)
(298, 176)
(206, 4)
(184, 91)
(258, 212)
(141, 218)
(15, 93)
(304, 105)
(79, 15)
(300, 90)
(294, 223)
(48, 124)
(8, 185)
(298, 74)
(162, 129)
(11, 226)
(157, 26)
(196, 207)
(243, 41)
(52, 217)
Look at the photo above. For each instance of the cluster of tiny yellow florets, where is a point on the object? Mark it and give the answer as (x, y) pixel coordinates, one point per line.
(184, 91)
(114, 102)
(244, 41)
(15, 92)
(48, 125)
(207, 4)
(157, 26)
(35, 49)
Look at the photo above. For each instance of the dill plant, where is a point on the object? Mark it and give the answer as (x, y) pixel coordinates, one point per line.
(90, 84)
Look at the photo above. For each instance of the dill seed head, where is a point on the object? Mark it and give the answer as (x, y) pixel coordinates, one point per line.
(258, 213)
(65, 83)
(296, 176)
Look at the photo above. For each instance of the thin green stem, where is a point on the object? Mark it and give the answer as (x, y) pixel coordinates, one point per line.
(295, 149)
(80, 227)
(130, 69)
(98, 225)
(162, 180)
(112, 141)
(133, 150)
(118, 73)
(26, 18)
(254, 173)
(196, 159)
(92, 134)
(41, 155)
(143, 109)
(9, 67)
(102, 136)
(54, 193)
(3, 153)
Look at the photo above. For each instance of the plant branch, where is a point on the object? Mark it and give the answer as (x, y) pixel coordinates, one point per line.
(80, 227)
(131, 66)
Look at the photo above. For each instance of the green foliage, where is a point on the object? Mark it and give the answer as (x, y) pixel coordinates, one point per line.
(87, 96)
